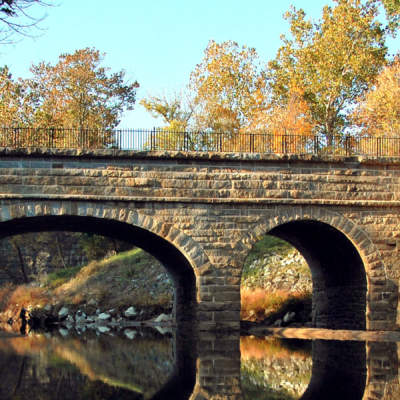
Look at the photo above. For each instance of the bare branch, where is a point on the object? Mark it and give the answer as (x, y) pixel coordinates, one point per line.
(17, 20)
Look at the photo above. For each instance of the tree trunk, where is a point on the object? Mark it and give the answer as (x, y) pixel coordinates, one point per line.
(21, 261)
(60, 253)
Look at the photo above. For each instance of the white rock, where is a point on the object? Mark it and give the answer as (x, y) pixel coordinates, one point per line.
(63, 332)
(130, 334)
(162, 318)
(104, 316)
(63, 312)
(103, 329)
(289, 317)
(130, 312)
(80, 316)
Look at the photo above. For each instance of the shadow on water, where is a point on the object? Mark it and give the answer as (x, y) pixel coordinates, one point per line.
(201, 366)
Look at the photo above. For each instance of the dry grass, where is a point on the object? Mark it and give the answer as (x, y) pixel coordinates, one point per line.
(22, 296)
(259, 304)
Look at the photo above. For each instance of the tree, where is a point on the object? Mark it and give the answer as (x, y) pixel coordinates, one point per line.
(78, 93)
(228, 87)
(15, 18)
(174, 110)
(333, 61)
(392, 8)
(10, 99)
(379, 111)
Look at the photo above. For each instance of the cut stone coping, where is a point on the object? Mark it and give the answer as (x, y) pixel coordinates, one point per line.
(42, 152)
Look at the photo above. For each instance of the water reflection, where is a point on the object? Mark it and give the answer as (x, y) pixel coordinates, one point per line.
(201, 366)
(39, 367)
(279, 369)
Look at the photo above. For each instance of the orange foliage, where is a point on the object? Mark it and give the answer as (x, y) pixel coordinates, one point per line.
(257, 304)
(22, 296)
(379, 113)
(262, 348)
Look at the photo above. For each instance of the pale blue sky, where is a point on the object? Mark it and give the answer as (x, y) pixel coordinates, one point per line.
(157, 42)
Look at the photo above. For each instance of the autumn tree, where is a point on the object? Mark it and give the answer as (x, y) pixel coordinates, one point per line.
(333, 61)
(11, 94)
(175, 110)
(228, 87)
(378, 113)
(78, 93)
(392, 8)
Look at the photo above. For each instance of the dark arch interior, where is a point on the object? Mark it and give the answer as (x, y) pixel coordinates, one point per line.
(338, 371)
(338, 274)
(173, 260)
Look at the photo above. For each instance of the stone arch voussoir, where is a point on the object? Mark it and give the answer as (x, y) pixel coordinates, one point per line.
(184, 243)
(369, 254)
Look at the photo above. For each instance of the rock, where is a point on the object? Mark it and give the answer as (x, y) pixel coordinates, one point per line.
(103, 329)
(104, 316)
(278, 322)
(63, 312)
(92, 302)
(289, 316)
(130, 334)
(63, 332)
(80, 317)
(163, 331)
(130, 312)
(162, 318)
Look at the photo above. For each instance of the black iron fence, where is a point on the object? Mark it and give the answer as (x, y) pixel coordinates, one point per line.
(163, 139)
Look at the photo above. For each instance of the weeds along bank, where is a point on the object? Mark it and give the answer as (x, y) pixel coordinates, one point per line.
(276, 284)
(131, 285)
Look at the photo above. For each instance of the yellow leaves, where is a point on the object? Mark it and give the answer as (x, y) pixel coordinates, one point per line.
(379, 113)
(78, 93)
(227, 86)
(334, 60)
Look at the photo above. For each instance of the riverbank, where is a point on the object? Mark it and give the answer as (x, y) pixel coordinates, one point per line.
(132, 287)
(103, 295)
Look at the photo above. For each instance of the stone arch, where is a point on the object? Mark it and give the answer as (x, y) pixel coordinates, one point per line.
(350, 235)
(162, 240)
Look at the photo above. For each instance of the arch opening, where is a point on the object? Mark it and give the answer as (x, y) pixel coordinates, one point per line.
(338, 274)
(176, 264)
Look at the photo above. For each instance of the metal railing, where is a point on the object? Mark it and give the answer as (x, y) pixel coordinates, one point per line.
(163, 139)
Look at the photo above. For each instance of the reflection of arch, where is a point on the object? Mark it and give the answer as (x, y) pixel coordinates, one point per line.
(180, 254)
(340, 255)
(338, 371)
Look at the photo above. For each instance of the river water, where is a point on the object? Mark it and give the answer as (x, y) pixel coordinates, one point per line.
(147, 364)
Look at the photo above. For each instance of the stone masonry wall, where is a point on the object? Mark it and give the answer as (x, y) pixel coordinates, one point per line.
(214, 207)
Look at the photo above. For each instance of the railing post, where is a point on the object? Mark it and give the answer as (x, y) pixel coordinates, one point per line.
(316, 145)
(251, 143)
(51, 137)
(378, 146)
(152, 138)
(346, 145)
(185, 141)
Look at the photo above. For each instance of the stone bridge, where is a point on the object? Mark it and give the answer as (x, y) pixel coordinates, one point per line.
(200, 214)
